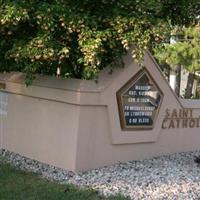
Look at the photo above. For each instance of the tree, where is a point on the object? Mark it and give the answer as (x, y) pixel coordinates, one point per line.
(80, 38)
(185, 52)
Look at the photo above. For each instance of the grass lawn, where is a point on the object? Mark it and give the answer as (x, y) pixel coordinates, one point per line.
(20, 185)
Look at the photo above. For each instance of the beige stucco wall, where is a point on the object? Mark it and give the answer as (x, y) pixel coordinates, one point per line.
(43, 130)
(74, 124)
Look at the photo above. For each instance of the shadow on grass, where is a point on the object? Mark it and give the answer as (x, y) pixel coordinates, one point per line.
(20, 185)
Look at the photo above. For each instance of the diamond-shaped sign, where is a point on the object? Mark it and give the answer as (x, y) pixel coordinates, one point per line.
(139, 101)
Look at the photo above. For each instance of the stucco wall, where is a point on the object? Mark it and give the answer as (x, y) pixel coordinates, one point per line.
(74, 124)
(41, 129)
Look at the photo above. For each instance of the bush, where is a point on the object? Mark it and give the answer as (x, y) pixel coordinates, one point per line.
(79, 38)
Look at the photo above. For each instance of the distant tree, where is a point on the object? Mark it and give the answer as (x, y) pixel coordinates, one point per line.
(185, 52)
(80, 38)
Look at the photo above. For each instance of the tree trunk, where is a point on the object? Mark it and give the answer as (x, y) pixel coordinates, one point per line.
(178, 80)
(190, 82)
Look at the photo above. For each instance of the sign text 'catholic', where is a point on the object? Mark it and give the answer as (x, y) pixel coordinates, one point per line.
(180, 118)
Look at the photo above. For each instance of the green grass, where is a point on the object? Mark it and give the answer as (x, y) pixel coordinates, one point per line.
(20, 185)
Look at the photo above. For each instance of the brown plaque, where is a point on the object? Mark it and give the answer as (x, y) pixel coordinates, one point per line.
(139, 101)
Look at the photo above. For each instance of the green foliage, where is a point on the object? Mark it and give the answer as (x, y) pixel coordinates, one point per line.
(185, 52)
(82, 37)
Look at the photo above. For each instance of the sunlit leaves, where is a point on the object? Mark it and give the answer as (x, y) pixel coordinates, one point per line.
(79, 37)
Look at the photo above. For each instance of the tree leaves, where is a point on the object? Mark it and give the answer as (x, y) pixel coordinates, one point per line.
(185, 52)
(80, 37)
